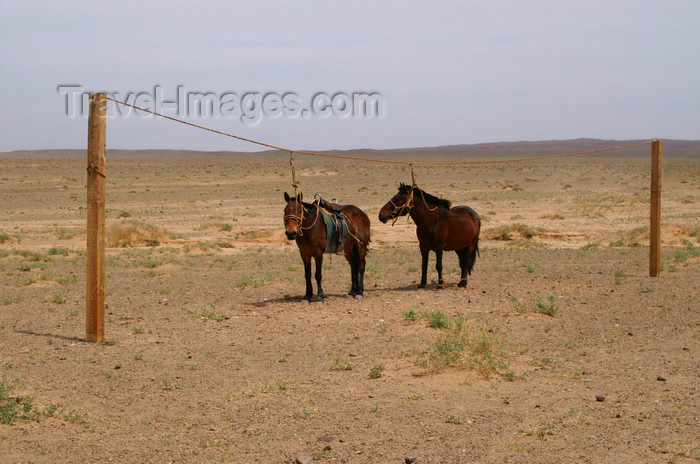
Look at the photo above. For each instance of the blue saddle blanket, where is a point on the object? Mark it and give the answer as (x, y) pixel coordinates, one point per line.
(336, 231)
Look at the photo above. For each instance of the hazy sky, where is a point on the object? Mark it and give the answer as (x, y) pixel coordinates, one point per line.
(448, 72)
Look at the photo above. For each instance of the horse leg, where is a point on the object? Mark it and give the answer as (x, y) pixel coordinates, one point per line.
(362, 255)
(307, 275)
(438, 268)
(319, 266)
(463, 265)
(354, 261)
(424, 267)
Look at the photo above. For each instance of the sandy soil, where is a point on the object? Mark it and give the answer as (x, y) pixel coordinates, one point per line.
(210, 356)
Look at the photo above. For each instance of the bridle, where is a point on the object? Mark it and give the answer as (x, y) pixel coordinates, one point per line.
(408, 205)
(399, 210)
(300, 218)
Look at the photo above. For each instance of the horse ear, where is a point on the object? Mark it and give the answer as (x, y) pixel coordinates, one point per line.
(286, 197)
(299, 197)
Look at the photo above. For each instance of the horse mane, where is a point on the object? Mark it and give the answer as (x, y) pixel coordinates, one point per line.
(432, 199)
(308, 205)
(304, 203)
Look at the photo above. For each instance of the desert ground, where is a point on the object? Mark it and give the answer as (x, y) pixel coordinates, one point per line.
(561, 349)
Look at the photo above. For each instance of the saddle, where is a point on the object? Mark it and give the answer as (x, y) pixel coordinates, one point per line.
(336, 226)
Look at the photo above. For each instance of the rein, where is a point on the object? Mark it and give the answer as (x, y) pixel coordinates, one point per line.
(425, 202)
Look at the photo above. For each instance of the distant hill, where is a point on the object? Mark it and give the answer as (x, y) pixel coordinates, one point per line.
(479, 150)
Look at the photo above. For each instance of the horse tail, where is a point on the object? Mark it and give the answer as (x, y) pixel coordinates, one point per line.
(355, 254)
(466, 260)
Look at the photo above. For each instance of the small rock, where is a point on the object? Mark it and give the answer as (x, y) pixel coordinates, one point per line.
(661, 379)
(599, 398)
(303, 460)
(326, 438)
(410, 460)
(118, 366)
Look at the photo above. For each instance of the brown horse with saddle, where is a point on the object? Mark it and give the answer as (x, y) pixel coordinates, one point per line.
(322, 227)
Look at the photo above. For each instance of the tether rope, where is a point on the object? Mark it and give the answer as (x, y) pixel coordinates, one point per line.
(375, 160)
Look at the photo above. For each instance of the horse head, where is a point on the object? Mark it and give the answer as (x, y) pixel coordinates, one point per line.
(399, 205)
(293, 215)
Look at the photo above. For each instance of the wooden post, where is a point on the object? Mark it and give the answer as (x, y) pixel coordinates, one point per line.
(655, 209)
(97, 141)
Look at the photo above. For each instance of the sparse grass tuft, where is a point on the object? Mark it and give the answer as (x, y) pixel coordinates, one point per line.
(453, 419)
(550, 307)
(513, 232)
(619, 274)
(58, 251)
(66, 233)
(632, 238)
(376, 371)
(339, 365)
(15, 407)
(436, 319)
(540, 432)
(248, 281)
(132, 233)
(209, 314)
(464, 345)
(410, 315)
(682, 256)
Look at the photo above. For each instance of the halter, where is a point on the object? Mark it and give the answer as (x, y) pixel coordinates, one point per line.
(300, 218)
(408, 205)
(398, 210)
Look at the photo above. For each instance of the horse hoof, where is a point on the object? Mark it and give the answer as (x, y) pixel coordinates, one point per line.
(305, 302)
(358, 297)
(318, 302)
(462, 284)
(349, 296)
(440, 286)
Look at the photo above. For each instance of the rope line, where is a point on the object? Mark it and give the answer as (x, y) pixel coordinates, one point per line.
(376, 160)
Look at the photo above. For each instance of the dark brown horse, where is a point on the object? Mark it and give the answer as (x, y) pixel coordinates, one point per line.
(439, 228)
(304, 223)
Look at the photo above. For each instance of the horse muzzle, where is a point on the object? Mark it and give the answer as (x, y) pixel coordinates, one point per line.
(291, 235)
(384, 217)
